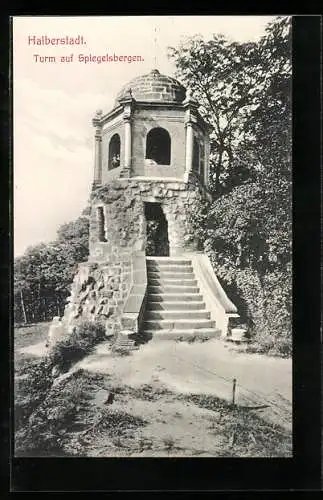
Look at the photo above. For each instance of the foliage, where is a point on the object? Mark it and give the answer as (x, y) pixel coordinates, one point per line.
(157, 243)
(169, 443)
(115, 422)
(231, 82)
(33, 382)
(238, 423)
(146, 392)
(73, 347)
(48, 426)
(244, 91)
(65, 421)
(44, 273)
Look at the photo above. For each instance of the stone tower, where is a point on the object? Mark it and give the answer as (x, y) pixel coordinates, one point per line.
(151, 169)
(151, 157)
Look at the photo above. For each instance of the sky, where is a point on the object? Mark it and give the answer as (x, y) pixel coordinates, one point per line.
(54, 103)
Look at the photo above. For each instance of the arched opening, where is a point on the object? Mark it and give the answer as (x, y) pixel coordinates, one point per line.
(114, 152)
(158, 146)
(196, 156)
(157, 231)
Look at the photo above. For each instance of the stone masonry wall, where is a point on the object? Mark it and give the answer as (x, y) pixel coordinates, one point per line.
(171, 120)
(98, 294)
(102, 285)
(125, 225)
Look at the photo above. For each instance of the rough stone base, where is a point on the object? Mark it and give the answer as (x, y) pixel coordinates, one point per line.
(122, 202)
(98, 294)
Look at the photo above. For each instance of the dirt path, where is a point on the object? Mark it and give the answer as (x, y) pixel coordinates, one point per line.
(35, 350)
(205, 368)
(175, 424)
(183, 427)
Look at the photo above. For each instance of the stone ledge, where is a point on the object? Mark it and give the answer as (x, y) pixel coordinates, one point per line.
(221, 307)
(135, 305)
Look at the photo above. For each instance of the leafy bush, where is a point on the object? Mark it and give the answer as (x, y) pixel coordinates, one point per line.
(76, 345)
(31, 387)
(44, 273)
(247, 230)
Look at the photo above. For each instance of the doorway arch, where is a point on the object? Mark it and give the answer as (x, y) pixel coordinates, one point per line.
(157, 242)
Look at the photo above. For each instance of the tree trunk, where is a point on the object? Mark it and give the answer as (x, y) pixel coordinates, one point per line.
(263, 295)
(57, 303)
(44, 308)
(39, 305)
(230, 156)
(23, 306)
(217, 172)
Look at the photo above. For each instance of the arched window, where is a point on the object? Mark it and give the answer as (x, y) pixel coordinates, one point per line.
(196, 156)
(158, 146)
(114, 152)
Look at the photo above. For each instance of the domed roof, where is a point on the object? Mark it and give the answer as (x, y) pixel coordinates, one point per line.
(153, 87)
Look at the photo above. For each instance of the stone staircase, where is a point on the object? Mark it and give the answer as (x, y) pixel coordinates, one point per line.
(175, 307)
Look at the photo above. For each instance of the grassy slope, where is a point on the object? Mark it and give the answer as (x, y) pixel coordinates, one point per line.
(148, 419)
(26, 336)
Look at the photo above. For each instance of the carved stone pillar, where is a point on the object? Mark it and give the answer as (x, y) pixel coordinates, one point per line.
(127, 142)
(189, 149)
(190, 118)
(97, 176)
(127, 102)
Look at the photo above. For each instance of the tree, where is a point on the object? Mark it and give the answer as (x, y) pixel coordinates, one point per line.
(230, 81)
(244, 91)
(43, 275)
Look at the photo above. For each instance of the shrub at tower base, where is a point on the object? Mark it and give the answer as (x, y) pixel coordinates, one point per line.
(249, 243)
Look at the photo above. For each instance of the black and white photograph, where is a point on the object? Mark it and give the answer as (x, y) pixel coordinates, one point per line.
(152, 196)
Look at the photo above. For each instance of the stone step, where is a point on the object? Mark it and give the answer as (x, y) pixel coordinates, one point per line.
(177, 305)
(171, 282)
(124, 344)
(160, 335)
(172, 289)
(178, 324)
(156, 273)
(174, 297)
(161, 261)
(170, 269)
(177, 314)
(125, 341)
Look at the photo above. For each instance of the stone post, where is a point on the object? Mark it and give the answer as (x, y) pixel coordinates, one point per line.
(97, 177)
(127, 102)
(190, 117)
